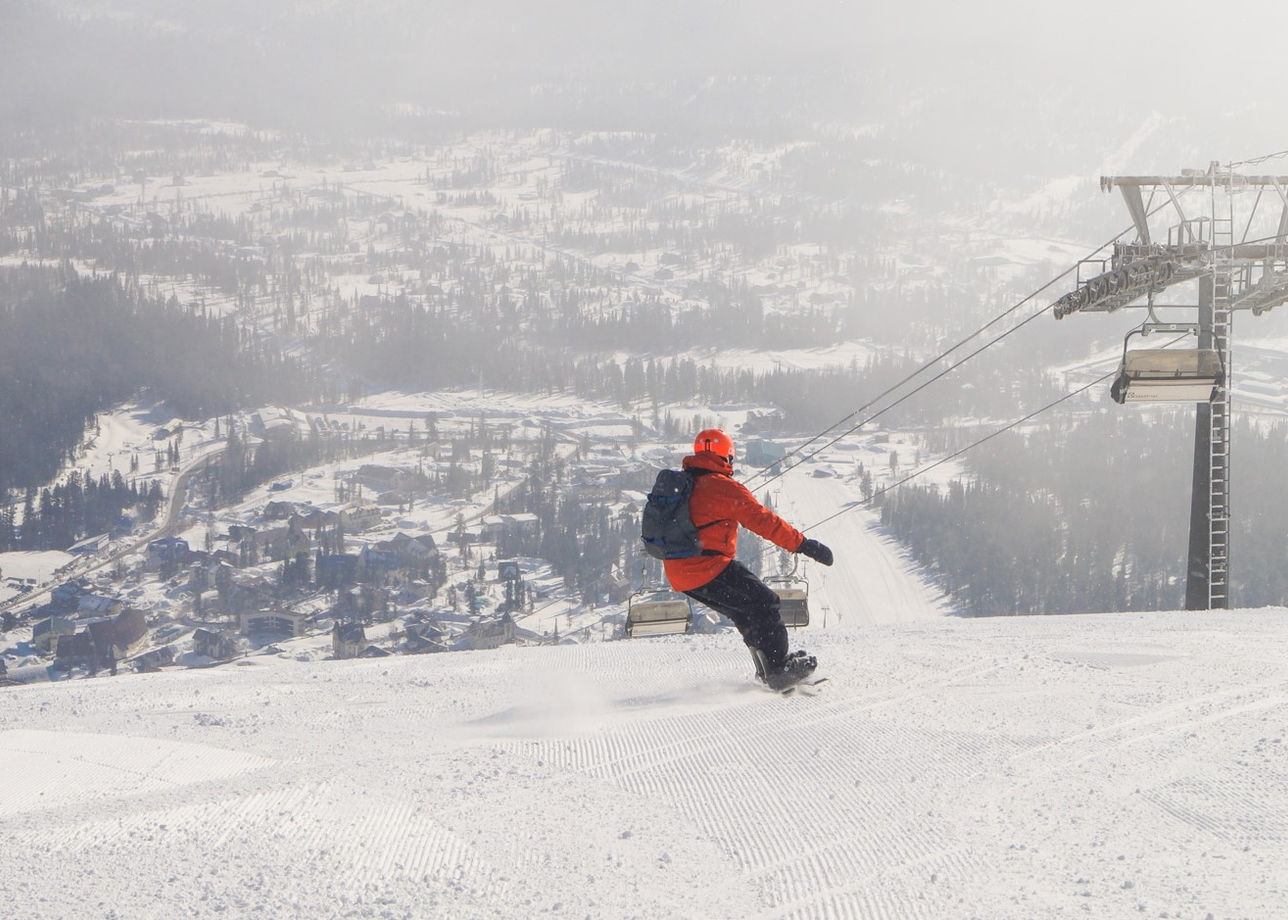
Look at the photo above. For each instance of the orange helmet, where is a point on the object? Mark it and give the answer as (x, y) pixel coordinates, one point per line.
(716, 441)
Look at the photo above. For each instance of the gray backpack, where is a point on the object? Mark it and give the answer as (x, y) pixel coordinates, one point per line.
(667, 529)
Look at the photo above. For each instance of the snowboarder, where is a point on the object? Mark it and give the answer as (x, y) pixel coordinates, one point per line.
(718, 505)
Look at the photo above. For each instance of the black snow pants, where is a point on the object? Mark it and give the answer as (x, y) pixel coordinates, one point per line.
(752, 606)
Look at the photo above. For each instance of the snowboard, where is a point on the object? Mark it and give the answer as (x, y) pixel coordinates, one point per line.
(806, 687)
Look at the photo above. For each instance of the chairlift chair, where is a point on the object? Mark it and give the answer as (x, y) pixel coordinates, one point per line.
(1167, 374)
(657, 613)
(793, 598)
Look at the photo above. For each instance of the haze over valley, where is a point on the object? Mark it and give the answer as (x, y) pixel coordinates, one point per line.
(340, 344)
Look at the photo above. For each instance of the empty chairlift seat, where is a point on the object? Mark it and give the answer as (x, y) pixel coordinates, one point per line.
(660, 613)
(793, 599)
(1168, 375)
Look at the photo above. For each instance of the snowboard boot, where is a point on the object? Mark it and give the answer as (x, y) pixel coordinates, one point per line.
(795, 668)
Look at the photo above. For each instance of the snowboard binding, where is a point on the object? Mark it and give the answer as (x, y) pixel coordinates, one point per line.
(795, 668)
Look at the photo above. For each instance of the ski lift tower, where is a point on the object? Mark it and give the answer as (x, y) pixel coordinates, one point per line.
(1248, 273)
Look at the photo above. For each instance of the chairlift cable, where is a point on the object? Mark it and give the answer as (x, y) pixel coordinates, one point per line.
(1253, 161)
(957, 453)
(944, 373)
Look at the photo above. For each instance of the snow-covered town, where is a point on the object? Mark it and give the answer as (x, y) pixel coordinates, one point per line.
(374, 535)
(390, 562)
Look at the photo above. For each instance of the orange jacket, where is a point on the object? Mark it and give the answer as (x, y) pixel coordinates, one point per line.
(718, 505)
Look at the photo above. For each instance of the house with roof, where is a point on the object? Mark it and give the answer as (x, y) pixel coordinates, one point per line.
(76, 649)
(216, 645)
(167, 551)
(496, 526)
(64, 595)
(46, 633)
(89, 546)
(422, 636)
(103, 641)
(375, 564)
(523, 523)
(360, 516)
(490, 633)
(348, 640)
(247, 593)
(378, 477)
(467, 535)
(412, 590)
(281, 510)
(275, 422)
(310, 518)
(361, 602)
(493, 527)
(762, 453)
(99, 605)
(154, 660)
(409, 552)
(273, 623)
(120, 636)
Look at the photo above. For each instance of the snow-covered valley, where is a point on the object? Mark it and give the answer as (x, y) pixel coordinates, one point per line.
(314, 586)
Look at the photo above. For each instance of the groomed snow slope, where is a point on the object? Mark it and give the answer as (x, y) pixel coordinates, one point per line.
(1103, 766)
(873, 580)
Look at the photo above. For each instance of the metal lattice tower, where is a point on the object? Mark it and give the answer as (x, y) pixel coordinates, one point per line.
(1232, 275)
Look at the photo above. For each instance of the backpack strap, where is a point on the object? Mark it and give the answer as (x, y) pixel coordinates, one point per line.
(695, 473)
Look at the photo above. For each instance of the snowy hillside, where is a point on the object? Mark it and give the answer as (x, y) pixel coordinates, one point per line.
(1105, 766)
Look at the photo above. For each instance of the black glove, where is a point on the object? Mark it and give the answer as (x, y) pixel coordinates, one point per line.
(816, 551)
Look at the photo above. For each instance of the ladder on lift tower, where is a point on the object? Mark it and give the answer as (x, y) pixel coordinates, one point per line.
(1219, 416)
